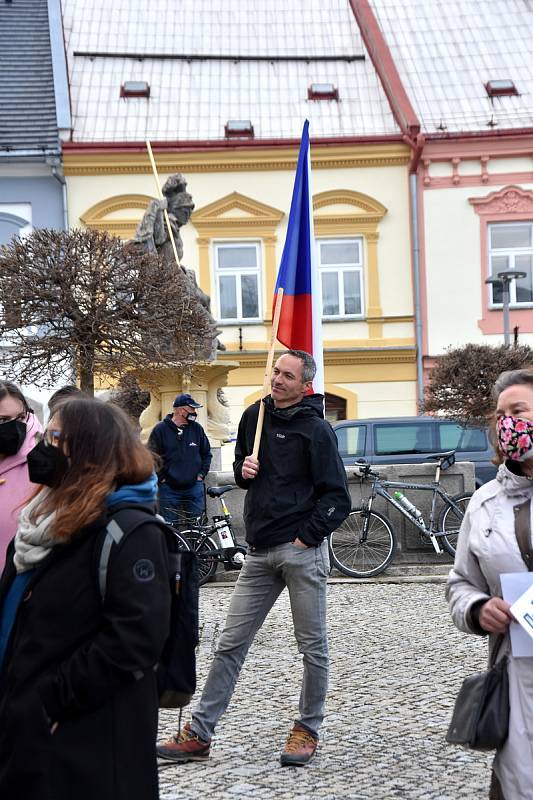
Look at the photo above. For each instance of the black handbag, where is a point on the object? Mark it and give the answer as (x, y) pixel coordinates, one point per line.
(480, 719)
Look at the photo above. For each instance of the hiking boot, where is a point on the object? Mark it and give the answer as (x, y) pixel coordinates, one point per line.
(299, 748)
(186, 746)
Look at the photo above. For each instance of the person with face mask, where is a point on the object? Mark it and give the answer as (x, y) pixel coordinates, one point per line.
(78, 687)
(185, 453)
(18, 429)
(486, 548)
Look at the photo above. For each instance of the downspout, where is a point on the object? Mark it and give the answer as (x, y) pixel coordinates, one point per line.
(417, 145)
(59, 177)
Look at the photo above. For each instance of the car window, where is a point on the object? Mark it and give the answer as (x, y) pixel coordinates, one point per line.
(390, 439)
(351, 440)
(458, 437)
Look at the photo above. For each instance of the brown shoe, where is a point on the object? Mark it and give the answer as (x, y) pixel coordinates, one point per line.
(186, 746)
(299, 748)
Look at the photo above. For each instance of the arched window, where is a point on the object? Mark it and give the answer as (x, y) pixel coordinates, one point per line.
(12, 223)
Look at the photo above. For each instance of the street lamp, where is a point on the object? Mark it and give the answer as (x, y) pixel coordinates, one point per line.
(504, 278)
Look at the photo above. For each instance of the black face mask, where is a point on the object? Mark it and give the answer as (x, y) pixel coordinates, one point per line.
(12, 435)
(191, 417)
(47, 465)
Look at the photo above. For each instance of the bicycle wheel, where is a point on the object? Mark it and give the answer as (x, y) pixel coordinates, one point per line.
(358, 558)
(183, 544)
(207, 564)
(450, 522)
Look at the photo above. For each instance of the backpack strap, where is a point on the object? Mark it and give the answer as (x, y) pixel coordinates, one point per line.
(129, 518)
(114, 535)
(522, 527)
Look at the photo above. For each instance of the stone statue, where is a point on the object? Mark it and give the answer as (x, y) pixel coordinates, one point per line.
(152, 233)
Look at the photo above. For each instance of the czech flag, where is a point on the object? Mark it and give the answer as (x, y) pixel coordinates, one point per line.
(300, 324)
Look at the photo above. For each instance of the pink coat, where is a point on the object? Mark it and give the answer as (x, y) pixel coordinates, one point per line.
(15, 486)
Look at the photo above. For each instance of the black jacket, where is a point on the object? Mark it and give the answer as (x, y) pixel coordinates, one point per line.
(74, 660)
(185, 452)
(301, 488)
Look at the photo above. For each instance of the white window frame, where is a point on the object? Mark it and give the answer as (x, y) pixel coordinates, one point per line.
(340, 269)
(238, 272)
(511, 254)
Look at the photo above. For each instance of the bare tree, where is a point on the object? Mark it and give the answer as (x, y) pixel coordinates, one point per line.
(460, 385)
(83, 300)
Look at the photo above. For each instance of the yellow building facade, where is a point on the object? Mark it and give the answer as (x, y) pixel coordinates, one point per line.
(242, 201)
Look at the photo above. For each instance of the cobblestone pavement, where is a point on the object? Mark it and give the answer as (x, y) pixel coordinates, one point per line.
(396, 665)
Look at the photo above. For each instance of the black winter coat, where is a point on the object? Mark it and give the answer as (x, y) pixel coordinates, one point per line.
(73, 660)
(301, 488)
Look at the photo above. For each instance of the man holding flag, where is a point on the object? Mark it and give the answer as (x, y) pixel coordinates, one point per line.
(296, 495)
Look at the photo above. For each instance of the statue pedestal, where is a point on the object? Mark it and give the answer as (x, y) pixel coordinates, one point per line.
(204, 384)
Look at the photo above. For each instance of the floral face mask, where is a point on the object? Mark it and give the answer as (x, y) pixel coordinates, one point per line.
(515, 437)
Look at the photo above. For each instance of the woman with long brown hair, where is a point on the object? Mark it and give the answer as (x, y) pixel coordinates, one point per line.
(78, 696)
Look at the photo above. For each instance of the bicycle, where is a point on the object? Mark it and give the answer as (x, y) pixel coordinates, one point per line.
(213, 543)
(183, 544)
(364, 545)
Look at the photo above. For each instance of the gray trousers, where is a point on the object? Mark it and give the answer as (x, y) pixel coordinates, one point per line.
(263, 577)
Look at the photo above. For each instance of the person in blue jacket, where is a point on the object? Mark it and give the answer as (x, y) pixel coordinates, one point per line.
(185, 455)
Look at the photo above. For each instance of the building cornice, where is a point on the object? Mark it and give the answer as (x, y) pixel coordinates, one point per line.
(335, 357)
(117, 161)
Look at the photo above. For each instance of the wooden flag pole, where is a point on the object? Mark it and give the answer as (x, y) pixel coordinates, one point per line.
(160, 196)
(268, 372)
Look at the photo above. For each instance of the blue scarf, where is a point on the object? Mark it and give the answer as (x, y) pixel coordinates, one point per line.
(134, 492)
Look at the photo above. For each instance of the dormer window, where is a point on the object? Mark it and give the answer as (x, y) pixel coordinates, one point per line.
(322, 91)
(502, 88)
(241, 128)
(135, 89)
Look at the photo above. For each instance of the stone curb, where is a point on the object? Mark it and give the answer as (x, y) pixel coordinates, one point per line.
(224, 581)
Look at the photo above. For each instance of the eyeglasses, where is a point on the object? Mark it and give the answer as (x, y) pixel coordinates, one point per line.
(22, 417)
(49, 437)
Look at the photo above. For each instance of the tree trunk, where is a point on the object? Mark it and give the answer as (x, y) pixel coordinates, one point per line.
(86, 371)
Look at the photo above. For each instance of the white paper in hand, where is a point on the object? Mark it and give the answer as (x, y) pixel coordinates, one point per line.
(514, 586)
(522, 611)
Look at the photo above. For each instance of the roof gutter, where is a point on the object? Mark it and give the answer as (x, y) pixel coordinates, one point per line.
(223, 144)
(482, 135)
(28, 154)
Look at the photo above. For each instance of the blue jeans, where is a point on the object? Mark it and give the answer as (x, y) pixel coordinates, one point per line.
(263, 577)
(172, 501)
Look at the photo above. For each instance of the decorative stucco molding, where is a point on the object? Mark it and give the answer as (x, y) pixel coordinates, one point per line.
(509, 200)
(98, 216)
(347, 197)
(104, 160)
(216, 214)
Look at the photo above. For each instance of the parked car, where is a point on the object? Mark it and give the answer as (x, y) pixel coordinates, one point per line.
(407, 440)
